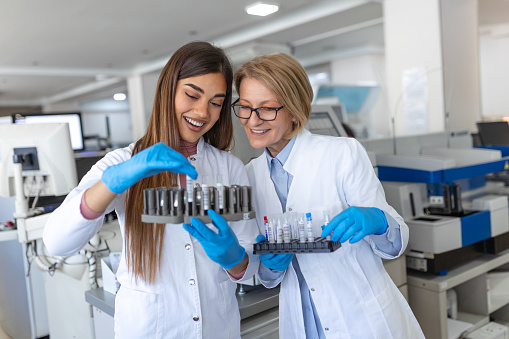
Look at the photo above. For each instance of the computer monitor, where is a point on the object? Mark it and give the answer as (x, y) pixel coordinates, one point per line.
(326, 120)
(494, 133)
(358, 99)
(73, 119)
(51, 170)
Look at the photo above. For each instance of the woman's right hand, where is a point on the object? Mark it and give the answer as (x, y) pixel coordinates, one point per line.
(276, 262)
(151, 161)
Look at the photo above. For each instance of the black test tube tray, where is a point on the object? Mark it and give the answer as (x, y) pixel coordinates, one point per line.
(320, 245)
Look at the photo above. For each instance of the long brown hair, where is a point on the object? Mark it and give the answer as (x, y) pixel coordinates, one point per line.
(144, 242)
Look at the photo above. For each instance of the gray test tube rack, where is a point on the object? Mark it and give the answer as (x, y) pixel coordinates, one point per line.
(319, 245)
(164, 205)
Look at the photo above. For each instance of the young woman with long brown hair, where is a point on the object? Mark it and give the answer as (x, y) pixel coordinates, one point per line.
(170, 285)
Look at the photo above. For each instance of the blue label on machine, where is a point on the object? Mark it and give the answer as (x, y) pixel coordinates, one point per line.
(475, 227)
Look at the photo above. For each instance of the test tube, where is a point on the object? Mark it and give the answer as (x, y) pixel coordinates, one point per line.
(149, 201)
(302, 232)
(220, 198)
(266, 223)
(178, 202)
(293, 226)
(205, 197)
(326, 221)
(162, 201)
(272, 230)
(309, 227)
(279, 231)
(286, 231)
(190, 195)
(245, 199)
(234, 194)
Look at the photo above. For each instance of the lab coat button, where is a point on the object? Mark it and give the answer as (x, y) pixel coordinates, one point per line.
(312, 290)
(192, 158)
(326, 328)
(191, 281)
(290, 209)
(195, 318)
(188, 246)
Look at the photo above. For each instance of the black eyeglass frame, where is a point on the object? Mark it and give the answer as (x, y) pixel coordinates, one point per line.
(236, 104)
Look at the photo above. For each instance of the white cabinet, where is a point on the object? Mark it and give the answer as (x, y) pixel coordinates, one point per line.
(481, 293)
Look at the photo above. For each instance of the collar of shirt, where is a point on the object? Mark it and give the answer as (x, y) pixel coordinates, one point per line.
(282, 156)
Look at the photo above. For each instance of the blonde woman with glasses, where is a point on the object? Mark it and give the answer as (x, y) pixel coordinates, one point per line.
(347, 293)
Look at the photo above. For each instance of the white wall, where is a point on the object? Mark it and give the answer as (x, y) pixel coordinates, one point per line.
(149, 91)
(461, 63)
(62, 107)
(412, 41)
(94, 123)
(494, 60)
(94, 115)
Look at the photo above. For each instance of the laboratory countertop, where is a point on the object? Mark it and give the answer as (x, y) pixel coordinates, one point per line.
(255, 300)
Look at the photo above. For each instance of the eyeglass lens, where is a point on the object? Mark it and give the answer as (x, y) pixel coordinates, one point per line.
(264, 113)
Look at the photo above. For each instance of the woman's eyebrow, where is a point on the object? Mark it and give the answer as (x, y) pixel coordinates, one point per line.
(197, 88)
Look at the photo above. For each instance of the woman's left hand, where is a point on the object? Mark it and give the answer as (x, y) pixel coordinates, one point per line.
(222, 247)
(356, 223)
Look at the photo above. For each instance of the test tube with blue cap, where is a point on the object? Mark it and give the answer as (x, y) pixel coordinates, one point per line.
(309, 227)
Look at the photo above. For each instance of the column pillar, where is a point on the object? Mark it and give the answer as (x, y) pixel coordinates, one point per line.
(137, 106)
(432, 64)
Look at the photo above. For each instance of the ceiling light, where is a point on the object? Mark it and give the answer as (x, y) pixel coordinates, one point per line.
(119, 96)
(261, 9)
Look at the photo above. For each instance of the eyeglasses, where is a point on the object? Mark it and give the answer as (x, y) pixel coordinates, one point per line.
(263, 113)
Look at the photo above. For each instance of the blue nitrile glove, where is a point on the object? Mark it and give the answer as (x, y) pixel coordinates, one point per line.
(222, 247)
(277, 262)
(151, 161)
(356, 223)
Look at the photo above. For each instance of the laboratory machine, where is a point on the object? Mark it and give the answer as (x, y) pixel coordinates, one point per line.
(442, 193)
(37, 164)
(35, 161)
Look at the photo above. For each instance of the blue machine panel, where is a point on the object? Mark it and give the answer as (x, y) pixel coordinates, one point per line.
(475, 227)
(475, 170)
(386, 173)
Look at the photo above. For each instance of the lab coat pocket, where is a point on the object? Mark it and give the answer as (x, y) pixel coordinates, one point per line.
(229, 308)
(137, 314)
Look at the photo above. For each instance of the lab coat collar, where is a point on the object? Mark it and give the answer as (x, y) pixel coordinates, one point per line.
(292, 163)
(283, 155)
(200, 146)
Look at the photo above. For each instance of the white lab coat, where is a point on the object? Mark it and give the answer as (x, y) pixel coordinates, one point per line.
(353, 294)
(190, 285)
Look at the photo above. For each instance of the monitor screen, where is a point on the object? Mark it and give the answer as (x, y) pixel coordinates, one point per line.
(73, 119)
(495, 133)
(51, 170)
(324, 120)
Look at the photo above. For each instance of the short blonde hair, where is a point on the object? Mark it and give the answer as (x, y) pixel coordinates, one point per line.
(286, 78)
